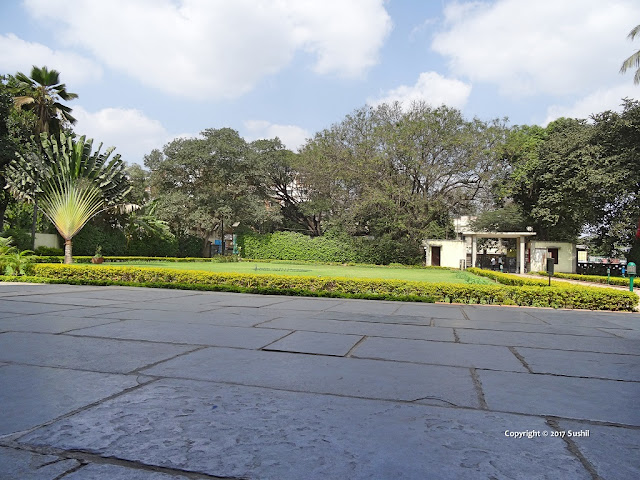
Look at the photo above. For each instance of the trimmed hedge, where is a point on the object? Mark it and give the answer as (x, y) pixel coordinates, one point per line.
(621, 281)
(331, 247)
(537, 296)
(506, 278)
(87, 259)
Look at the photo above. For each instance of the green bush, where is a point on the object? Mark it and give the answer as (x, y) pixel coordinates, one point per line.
(506, 278)
(538, 296)
(113, 241)
(49, 251)
(621, 281)
(331, 247)
(21, 239)
(114, 259)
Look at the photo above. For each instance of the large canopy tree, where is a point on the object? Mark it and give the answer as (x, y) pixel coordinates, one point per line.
(72, 183)
(42, 93)
(204, 184)
(400, 171)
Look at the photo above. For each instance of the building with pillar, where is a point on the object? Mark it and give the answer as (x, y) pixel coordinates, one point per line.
(531, 254)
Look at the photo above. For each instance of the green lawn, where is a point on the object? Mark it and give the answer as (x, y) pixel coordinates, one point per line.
(313, 270)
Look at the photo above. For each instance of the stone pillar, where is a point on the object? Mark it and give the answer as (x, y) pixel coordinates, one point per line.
(521, 254)
(474, 250)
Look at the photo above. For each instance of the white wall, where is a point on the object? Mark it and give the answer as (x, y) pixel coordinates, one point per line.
(451, 252)
(567, 256)
(51, 240)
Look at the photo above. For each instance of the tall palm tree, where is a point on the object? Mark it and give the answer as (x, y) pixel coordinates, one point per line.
(634, 60)
(73, 185)
(41, 93)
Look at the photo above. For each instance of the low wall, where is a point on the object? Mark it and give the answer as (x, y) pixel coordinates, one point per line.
(51, 240)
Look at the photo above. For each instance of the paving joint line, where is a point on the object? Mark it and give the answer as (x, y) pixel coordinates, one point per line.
(521, 359)
(87, 458)
(137, 371)
(456, 338)
(572, 447)
(71, 470)
(15, 436)
(276, 340)
(478, 387)
(355, 345)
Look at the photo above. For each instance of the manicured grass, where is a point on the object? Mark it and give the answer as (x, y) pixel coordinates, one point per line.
(314, 270)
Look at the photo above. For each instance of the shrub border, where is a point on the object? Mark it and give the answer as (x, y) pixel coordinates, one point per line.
(619, 281)
(529, 295)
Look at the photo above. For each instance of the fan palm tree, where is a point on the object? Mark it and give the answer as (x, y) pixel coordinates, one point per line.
(73, 184)
(41, 93)
(634, 60)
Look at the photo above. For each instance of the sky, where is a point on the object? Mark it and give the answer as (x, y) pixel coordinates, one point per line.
(148, 71)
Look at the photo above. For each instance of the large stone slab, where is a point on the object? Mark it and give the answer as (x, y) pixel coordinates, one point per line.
(315, 343)
(428, 310)
(23, 465)
(314, 324)
(245, 432)
(31, 396)
(585, 318)
(365, 306)
(117, 472)
(48, 323)
(179, 332)
(439, 353)
(521, 327)
(307, 305)
(30, 307)
(623, 333)
(503, 314)
(319, 374)
(99, 355)
(376, 318)
(555, 342)
(575, 398)
(583, 364)
(218, 316)
(612, 451)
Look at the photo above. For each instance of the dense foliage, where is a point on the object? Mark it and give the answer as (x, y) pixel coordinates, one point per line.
(331, 247)
(539, 296)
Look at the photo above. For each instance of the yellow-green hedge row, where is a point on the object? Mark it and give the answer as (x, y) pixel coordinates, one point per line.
(506, 278)
(538, 296)
(621, 281)
(87, 259)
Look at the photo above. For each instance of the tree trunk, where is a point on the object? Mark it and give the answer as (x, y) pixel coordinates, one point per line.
(68, 258)
(34, 223)
(206, 250)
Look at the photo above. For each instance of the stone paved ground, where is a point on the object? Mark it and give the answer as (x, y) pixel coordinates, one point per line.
(125, 383)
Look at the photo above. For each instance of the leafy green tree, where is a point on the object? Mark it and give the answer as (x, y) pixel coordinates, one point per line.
(73, 183)
(401, 173)
(204, 184)
(15, 129)
(617, 201)
(42, 93)
(633, 61)
(553, 177)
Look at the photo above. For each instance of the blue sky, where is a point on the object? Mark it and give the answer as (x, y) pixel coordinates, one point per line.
(147, 71)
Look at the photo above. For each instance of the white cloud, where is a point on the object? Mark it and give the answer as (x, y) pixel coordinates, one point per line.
(596, 102)
(217, 48)
(130, 131)
(17, 55)
(538, 47)
(432, 88)
(292, 136)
